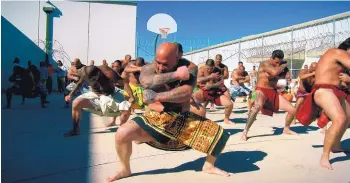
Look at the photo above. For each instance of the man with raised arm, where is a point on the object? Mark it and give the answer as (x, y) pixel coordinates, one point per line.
(267, 100)
(103, 99)
(169, 125)
(327, 95)
(212, 89)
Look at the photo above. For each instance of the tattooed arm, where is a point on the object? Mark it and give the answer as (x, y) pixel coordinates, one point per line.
(177, 95)
(150, 80)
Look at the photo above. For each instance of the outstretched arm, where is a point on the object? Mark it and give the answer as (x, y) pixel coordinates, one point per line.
(150, 80)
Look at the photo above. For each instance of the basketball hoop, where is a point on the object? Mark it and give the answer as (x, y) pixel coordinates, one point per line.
(164, 32)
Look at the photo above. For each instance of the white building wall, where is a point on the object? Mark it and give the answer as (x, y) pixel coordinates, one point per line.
(84, 30)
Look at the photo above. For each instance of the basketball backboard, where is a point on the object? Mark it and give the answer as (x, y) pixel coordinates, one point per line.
(162, 24)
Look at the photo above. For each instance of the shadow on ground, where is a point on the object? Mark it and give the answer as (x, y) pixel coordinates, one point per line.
(109, 130)
(297, 129)
(233, 131)
(240, 111)
(345, 144)
(232, 162)
(236, 120)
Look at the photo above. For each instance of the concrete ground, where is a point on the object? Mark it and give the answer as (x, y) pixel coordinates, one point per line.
(35, 151)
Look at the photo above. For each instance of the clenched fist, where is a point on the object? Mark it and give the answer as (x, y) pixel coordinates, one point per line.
(182, 73)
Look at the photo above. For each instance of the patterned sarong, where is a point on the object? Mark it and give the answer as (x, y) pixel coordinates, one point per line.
(137, 91)
(110, 105)
(180, 131)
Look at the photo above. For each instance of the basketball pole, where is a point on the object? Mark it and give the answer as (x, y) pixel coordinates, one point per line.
(155, 44)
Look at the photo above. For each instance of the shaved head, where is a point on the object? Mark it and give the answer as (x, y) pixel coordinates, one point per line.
(166, 57)
(313, 66)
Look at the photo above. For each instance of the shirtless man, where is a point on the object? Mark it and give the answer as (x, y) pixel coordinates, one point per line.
(104, 63)
(74, 77)
(92, 62)
(223, 72)
(168, 89)
(306, 82)
(267, 99)
(253, 76)
(212, 89)
(126, 61)
(103, 100)
(327, 95)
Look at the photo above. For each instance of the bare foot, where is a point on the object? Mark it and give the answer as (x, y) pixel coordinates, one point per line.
(229, 122)
(71, 133)
(324, 162)
(119, 175)
(323, 131)
(215, 171)
(289, 131)
(339, 150)
(244, 136)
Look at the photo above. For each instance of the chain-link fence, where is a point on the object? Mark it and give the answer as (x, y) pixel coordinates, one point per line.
(301, 44)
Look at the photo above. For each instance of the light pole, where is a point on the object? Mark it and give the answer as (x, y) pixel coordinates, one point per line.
(48, 9)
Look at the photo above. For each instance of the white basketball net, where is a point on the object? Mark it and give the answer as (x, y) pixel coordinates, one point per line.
(164, 32)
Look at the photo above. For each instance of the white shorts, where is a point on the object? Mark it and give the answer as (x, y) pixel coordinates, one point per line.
(110, 105)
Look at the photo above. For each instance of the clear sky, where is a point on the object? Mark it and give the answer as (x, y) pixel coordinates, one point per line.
(206, 23)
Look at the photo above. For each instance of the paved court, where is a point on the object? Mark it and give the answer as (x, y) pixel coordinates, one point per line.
(35, 151)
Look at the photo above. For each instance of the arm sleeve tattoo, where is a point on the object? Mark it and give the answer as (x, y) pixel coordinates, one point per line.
(150, 80)
(177, 95)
